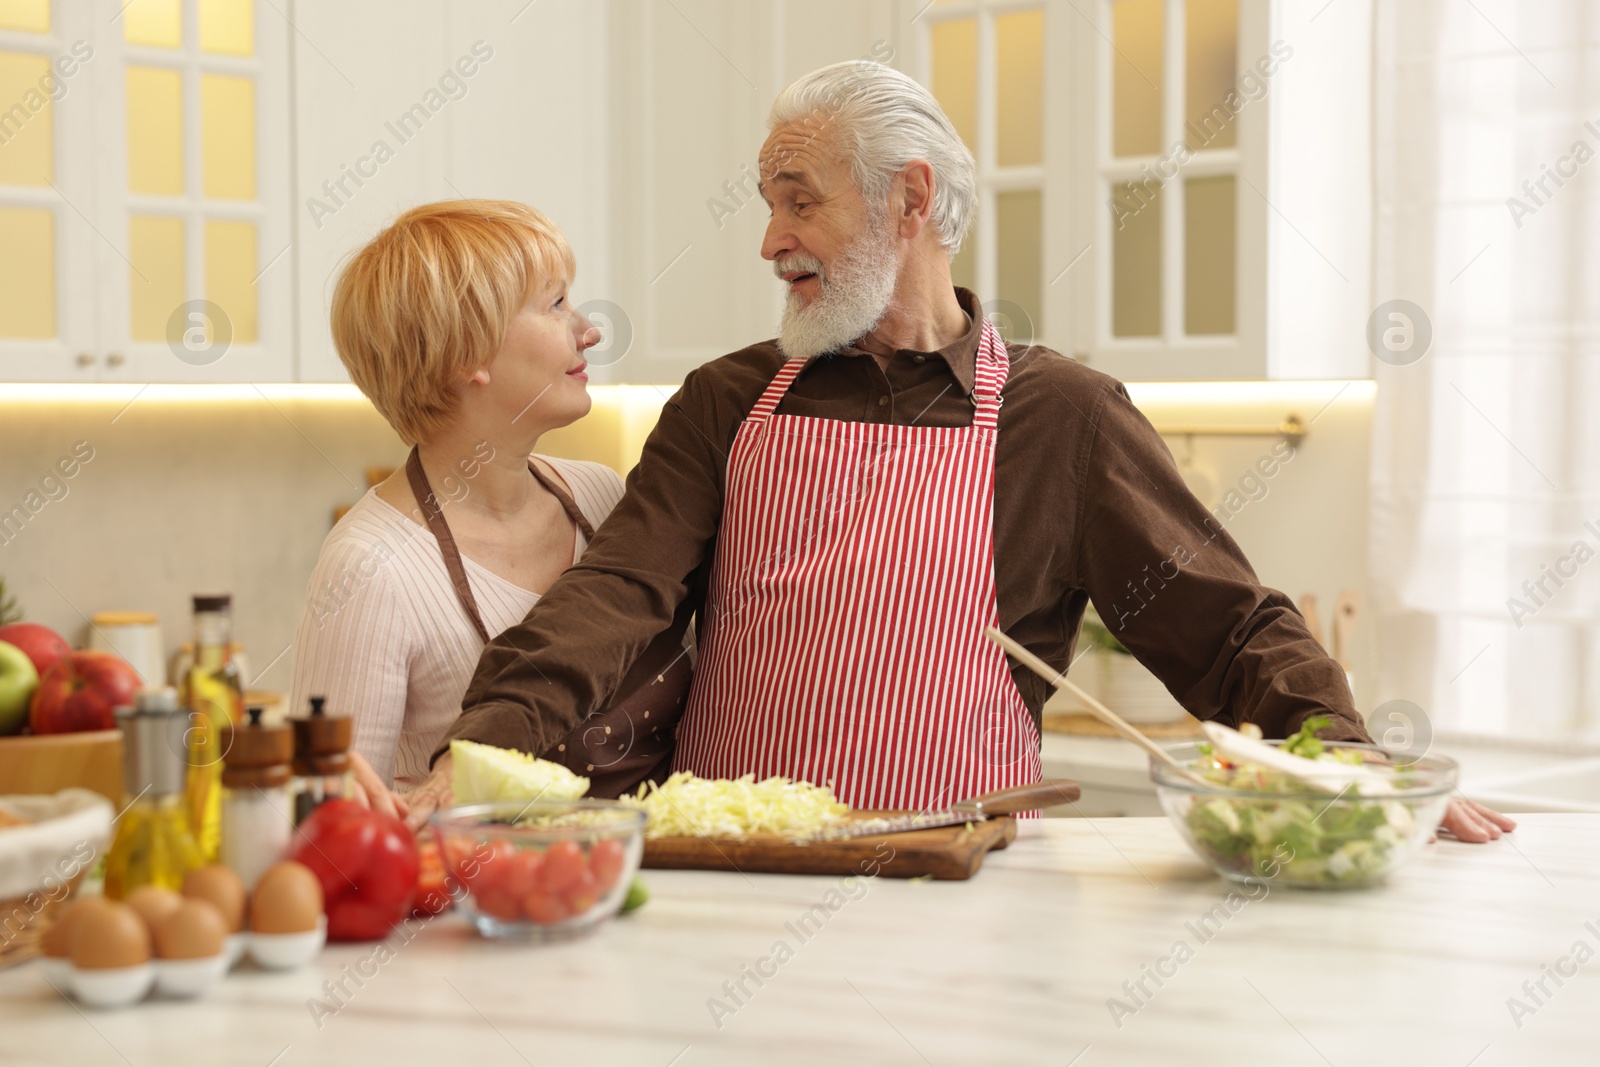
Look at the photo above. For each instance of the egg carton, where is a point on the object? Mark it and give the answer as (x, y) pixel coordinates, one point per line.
(118, 987)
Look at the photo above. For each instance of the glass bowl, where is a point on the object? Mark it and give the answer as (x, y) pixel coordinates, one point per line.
(1292, 834)
(546, 869)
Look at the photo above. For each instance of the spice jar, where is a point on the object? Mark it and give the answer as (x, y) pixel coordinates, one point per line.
(321, 759)
(257, 809)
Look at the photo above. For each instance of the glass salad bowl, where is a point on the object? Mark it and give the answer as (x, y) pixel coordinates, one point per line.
(546, 869)
(1257, 826)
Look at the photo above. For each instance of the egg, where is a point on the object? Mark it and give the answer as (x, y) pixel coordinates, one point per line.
(222, 888)
(193, 930)
(153, 903)
(112, 935)
(287, 900)
(57, 940)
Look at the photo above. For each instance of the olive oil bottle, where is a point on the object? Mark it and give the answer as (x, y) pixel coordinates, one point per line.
(214, 694)
(153, 845)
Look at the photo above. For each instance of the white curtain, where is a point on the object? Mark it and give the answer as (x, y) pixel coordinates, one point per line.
(1486, 451)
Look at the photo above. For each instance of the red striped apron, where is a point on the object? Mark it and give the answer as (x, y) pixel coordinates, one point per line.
(843, 634)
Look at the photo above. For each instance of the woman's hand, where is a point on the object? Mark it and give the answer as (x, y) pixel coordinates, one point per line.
(370, 792)
(433, 793)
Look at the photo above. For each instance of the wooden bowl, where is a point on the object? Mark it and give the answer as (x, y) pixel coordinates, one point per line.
(49, 763)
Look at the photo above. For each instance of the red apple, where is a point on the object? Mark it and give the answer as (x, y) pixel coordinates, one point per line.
(43, 645)
(82, 692)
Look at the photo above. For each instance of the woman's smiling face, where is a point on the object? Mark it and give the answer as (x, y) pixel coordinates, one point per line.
(537, 379)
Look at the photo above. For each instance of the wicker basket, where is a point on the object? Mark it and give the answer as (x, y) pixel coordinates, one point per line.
(43, 862)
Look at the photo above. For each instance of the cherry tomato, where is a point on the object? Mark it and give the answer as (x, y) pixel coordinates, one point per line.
(583, 892)
(497, 902)
(433, 890)
(543, 908)
(606, 860)
(522, 873)
(482, 867)
(563, 866)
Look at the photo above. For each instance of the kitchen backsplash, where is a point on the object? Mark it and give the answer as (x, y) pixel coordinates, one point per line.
(137, 506)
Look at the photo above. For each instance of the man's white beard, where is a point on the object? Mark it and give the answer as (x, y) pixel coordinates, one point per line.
(852, 298)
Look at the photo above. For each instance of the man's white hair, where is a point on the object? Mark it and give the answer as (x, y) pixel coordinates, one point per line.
(882, 120)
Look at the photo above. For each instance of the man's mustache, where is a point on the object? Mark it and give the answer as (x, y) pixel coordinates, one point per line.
(799, 261)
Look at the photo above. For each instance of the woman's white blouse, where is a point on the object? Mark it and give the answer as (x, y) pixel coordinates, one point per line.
(384, 636)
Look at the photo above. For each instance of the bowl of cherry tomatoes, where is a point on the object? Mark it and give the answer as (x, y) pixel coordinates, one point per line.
(546, 869)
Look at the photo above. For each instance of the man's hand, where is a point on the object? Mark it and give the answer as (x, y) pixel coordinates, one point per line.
(1467, 820)
(432, 794)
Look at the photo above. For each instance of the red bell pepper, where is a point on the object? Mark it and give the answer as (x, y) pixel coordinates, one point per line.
(367, 864)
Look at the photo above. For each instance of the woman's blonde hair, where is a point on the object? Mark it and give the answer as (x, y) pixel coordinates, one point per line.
(429, 300)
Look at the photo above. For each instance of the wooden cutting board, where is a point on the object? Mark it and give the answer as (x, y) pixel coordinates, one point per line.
(949, 853)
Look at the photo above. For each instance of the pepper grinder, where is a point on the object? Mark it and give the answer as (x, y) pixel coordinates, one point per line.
(321, 759)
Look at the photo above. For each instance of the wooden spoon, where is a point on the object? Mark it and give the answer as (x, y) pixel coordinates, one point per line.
(1101, 712)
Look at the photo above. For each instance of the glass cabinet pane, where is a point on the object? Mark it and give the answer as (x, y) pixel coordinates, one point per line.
(1208, 255)
(1137, 27)
(1019, 221)
(155, 131)
(154, 23)
(230, 275)
(1211, 62)
(27, 129)
(1136, 259)
(1019, 88)
(156, 278)
(27, 16)
(954, 48)
(27, 273)
(227, 27)
(227, 137)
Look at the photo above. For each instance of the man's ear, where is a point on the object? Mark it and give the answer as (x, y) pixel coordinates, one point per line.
(481, 376)
(916, 184)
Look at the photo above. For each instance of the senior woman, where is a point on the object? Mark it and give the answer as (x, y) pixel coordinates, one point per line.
(456, 323)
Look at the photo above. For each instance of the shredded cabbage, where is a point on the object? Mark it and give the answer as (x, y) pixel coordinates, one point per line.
(687, 806)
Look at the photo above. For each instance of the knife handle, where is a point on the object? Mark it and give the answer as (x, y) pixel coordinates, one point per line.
(1050, 793)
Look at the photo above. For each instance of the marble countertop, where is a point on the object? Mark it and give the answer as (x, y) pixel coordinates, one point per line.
(1039, 960)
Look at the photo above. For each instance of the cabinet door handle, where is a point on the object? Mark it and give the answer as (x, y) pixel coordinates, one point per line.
(116, 359)
(85, 359)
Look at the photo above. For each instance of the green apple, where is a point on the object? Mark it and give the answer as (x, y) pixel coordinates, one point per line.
(18, 680)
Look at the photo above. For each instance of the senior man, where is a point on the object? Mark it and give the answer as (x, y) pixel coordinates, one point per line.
(847, 507)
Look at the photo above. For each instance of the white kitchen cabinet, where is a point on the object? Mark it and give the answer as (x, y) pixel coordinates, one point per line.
(142, 209)
(402, 102)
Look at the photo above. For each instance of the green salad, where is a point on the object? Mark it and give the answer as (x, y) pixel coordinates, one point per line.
(1302, 839)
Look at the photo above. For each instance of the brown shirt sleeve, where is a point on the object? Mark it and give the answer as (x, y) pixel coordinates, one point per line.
(1174, 587)
(536, 680)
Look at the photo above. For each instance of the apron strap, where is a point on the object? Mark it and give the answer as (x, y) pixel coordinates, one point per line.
(774, 391)
(991, 369)
(569, 505)
(447, 542)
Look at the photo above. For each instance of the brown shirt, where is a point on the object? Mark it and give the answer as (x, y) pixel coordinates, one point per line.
(1089, 506)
